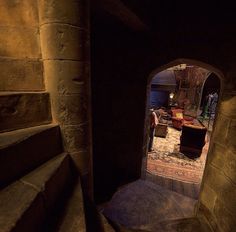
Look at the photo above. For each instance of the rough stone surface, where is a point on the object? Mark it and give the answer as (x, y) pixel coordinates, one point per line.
(186, 225)
(64, 36)
(143, 205)
(73, 218)
(62, 41)
(207, 215)
(230, 167)
(214, 178)
(81, 160)
(21, 75)
(12, 138)
(220, 198)
(106, 226)
(21, 208)
(19, 42)
(221, 129)
(26, 203)
(51, 178)
(231, 135)
(24, 110)
(23, 150)
(227, 196)
(72, 109)
(75, 137)
(218, 193)
(15, 13)
(225, 220)
(72, 12)
(217, 155)
(41, 175)
(219, 190)
(69, 77)
(208, 197)
(228, 105)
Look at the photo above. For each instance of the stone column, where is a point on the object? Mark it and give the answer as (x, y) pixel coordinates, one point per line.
(64, 35)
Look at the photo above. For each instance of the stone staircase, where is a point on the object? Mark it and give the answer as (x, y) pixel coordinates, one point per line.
(40, 190)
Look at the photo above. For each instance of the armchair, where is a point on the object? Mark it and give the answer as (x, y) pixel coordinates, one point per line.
(178, 118)
(192, 140)
(161, 129)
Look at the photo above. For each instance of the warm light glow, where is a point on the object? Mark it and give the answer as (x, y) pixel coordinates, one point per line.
(178, 67)
(171, 95)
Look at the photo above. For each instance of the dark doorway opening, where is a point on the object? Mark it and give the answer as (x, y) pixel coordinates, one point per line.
(182, 135)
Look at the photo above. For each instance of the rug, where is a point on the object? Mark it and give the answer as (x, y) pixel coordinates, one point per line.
(168, 161)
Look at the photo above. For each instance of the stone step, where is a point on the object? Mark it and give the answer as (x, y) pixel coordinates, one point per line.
(142, 205)
(186, 224)
(120, 228)
(193, 224)
(24, 109)
(23, 150)
(105, 224)
(72, 218)
(26, 203)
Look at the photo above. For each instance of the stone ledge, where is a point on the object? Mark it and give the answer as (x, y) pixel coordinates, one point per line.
(25, 149)
(18, 203)
(51, 179)
(11, 138)
(25, 204)
(21, 110)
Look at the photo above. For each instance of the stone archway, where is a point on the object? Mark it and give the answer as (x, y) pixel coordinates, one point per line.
(164, 67)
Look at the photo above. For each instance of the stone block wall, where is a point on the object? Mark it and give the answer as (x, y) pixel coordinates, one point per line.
(217, 200)
(20, 53)
(44, 46)
(64, 35)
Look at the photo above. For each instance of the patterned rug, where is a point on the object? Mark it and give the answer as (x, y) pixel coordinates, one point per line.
(167, 161)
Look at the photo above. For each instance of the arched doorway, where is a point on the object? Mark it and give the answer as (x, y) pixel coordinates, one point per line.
(209, 99)
(179, 178)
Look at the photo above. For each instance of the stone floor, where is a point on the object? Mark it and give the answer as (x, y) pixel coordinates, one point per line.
(162, 202)
(144, 206)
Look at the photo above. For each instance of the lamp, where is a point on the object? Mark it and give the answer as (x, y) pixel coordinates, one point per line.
(171, 95)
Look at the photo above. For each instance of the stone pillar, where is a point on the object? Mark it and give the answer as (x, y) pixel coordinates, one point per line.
(64, 35)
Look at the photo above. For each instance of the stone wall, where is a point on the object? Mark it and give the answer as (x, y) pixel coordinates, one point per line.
(44, 45)
(64, 34)
(217, 200)
(20, 53)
